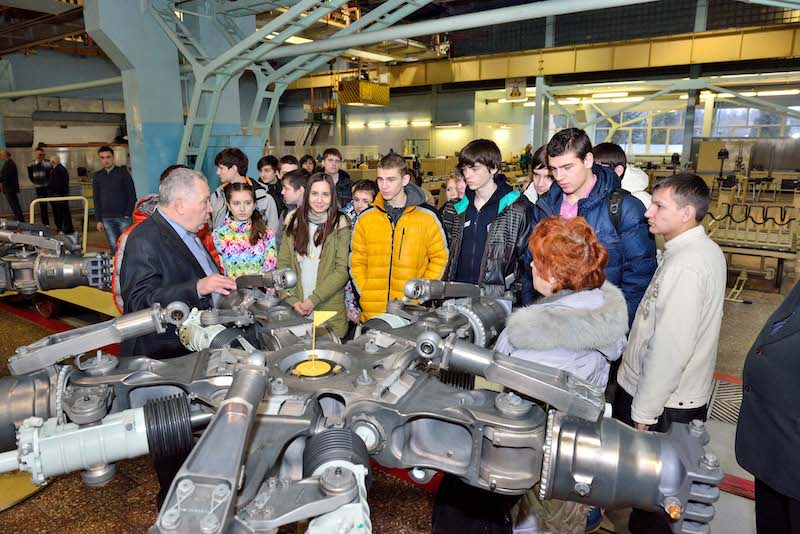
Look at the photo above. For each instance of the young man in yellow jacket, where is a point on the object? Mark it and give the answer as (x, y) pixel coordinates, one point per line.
(396, 239)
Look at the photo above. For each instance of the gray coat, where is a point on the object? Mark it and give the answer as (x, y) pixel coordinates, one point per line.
(580, 332)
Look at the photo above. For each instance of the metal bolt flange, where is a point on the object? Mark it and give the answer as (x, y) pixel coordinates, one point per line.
(582, 488)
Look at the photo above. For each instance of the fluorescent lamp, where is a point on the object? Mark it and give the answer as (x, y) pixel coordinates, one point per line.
(355, 124)
(505, 126)
(529, 104)
(595, 101)
(684, 97)
(569, 101)
(626, 99)
(420, 123)
(511, 100)
(785, 92)
(749, 93)
(394, 124)
(610, 95)
(453, 125)
(376, 125)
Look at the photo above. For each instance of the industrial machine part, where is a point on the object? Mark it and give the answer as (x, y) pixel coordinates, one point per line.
(31, 260)
(280, 445)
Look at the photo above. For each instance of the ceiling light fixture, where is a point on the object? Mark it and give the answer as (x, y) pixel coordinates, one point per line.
(420, 123)
(610, 95)
(355, 124)
(511, 100)
(784, 92)
(529, 104)
(376, 125)
(448, 125)
(393, 124)
(626, 99)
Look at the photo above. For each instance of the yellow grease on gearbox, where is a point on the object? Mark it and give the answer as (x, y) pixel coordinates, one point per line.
(312, 368)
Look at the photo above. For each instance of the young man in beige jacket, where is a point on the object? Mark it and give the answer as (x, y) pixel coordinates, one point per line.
(667, 368)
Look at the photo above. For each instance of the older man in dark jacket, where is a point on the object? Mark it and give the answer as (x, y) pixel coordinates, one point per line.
(587, 190)
(59, 187)
(9, 182)
(165, 261)
(768, 433)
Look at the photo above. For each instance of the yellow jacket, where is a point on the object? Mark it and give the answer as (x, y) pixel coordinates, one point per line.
(384, 256)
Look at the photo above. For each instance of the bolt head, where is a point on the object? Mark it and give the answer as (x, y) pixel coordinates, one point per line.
(582, 489)
(710, 460)
(209, 524)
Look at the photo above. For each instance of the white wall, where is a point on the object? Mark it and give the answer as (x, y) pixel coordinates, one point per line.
(74, 133)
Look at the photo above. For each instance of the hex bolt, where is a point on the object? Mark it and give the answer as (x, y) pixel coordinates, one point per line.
(171, 519)
(697, 427)
(128, 426)
(185, 487)
(209, 524)
(582, 488)
(673, 507)
(221, 491)
(710, 460)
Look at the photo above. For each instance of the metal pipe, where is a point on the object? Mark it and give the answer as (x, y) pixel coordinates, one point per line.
(102, 82)
(479, 19)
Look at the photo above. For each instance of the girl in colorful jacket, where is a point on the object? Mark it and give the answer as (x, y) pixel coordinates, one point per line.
(244, 243)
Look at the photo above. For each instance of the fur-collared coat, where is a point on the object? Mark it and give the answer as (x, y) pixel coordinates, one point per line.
(580, 332)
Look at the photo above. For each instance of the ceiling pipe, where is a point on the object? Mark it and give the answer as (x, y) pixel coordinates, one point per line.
(449, 24)
(102, 82)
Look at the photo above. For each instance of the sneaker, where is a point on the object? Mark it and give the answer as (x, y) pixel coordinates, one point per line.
(593, 519)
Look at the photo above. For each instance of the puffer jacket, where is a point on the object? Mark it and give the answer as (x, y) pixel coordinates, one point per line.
(332, 274)
(579, 332)
(385, 255)
(501, 267)
(631, 253)
(238, 256)
(145, 207)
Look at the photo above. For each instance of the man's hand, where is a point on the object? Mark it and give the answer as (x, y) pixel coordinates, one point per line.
(99, 226)
(298, 307)
(215, 283)
(642, 426)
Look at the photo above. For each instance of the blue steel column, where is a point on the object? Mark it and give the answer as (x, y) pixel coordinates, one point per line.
(129, 35)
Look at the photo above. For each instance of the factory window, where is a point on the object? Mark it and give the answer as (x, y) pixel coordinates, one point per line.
(752, 122)
(640, 132)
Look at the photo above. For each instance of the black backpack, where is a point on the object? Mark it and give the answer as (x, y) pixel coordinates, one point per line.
(615, 199)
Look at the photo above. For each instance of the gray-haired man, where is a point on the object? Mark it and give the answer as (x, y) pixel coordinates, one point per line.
(166, 261)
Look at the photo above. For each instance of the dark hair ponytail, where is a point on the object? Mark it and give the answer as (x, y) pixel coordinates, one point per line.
(258, 228)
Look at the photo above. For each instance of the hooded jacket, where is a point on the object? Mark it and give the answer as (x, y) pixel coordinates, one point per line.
(635, 181)
(264, 204)
(386, 254)
(579, 332)
(506, 241)
(145, 207)
(631, 253)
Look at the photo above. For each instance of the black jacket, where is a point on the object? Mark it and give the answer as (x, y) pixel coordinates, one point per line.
(9, 177)
(500, 265)
(158, 267)
(768, 433)
(344, 189)
(59, 181)
(39, 172)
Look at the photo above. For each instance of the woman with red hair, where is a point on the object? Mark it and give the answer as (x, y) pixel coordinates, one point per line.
(579, 325)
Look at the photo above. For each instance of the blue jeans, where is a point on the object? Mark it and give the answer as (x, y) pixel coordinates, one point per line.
(114, 228)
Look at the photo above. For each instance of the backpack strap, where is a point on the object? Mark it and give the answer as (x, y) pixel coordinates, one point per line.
(615, 199)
